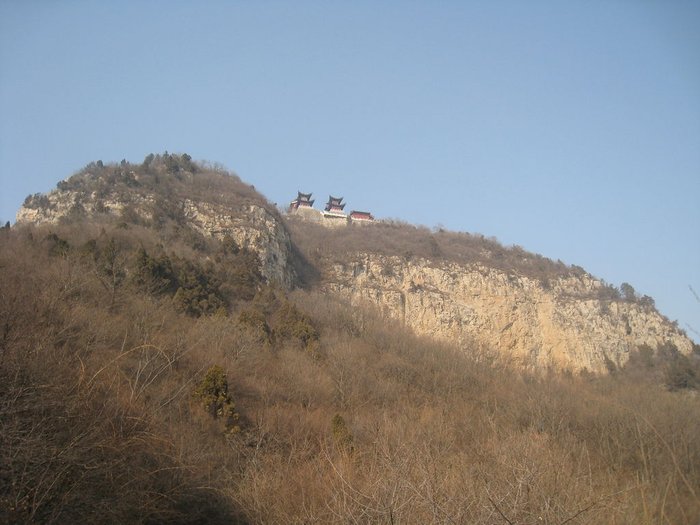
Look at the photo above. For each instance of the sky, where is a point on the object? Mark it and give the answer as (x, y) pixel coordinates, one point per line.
(569, 128)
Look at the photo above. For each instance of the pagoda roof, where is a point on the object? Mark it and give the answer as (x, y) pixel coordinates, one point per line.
(303, 200)
(334, 200)
(303, 196)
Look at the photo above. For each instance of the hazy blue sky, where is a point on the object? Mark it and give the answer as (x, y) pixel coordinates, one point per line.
(569, 128)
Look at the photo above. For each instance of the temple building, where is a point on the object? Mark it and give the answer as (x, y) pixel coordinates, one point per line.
(361, 216)
(332, 215)
(303, 200)
(335, 206)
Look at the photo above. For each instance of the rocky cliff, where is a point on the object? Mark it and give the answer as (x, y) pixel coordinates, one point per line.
(251, 223)
(562, 325)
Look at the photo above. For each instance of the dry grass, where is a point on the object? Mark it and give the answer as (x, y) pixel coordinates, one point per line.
(98, 422)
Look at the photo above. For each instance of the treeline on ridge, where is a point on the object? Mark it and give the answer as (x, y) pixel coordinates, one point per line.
(170, 178)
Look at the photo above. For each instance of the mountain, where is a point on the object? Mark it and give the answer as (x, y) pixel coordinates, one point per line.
(460, 288)
(163, 192)
(173, 349)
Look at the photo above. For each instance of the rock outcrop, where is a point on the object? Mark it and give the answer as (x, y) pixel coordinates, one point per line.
(255, 229)
(251, 225)
(563, 325)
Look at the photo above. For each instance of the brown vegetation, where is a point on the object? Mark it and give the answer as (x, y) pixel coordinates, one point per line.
(322, 413)
(153, 194)
(322, 246)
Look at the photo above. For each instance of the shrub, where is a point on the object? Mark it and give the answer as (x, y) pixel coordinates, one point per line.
(610, 365)
(254, 321)
(342, 437)
(628, 292)
(294, 324)
(198, 292)
(37, 202)
(243, 275)
(57, 247)
(681, 374)
(154, 274)
(213, 393)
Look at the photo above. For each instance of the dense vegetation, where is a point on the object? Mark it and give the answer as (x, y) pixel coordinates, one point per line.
(149, 378)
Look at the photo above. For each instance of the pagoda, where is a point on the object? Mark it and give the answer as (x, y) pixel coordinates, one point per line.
(303, 200)
(335, 206)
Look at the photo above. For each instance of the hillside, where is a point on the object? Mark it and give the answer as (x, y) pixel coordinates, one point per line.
(462, 288)
(175, 351)
(459, 287)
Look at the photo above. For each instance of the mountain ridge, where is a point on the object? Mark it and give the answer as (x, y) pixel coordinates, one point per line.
(458, 287)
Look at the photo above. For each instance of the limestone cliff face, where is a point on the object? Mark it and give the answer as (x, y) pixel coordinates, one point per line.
(255, 229)
(251, 225)
(562, 325)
